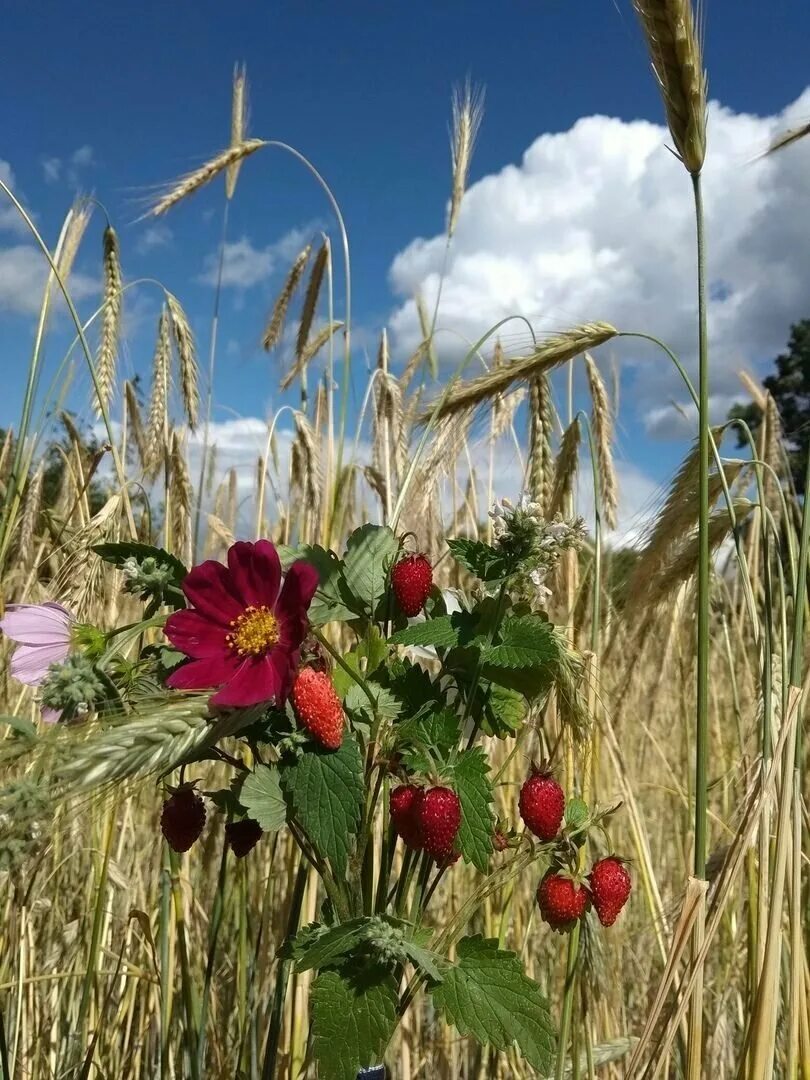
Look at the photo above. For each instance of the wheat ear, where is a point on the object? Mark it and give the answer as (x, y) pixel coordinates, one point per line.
(278, 316)
(110, 319)
(193, 181)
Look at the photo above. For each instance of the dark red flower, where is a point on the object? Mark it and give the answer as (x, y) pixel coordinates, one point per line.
(241, 633)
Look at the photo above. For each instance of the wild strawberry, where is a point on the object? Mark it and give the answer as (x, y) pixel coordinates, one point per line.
(439, 820)
(562, 901)
(404, 805)
(542, 805)
(412, 580)
(242, 836)
(318, 707)
(500, 841)
(450, 860)
(182, 818)
(610, 887)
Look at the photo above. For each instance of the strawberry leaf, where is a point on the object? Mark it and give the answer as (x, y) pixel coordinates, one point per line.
(488, 995)
(369, 553)
(471, 783)
(261, 797)
(525, 642)
(354, 1015)
(486, 562)
(325, 788)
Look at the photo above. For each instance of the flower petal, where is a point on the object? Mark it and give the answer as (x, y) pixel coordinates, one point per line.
(210, 589)
(256, 681)
(50, 716)
(256, 571)
(193, 634)
(203, 674)
(30, 663)
(37, 624)
(286, 664)
(296, 595)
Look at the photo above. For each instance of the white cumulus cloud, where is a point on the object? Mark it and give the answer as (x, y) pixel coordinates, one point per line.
(245, 265)
(597, 223)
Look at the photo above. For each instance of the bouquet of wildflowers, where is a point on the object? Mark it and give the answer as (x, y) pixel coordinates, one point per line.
(360, 707)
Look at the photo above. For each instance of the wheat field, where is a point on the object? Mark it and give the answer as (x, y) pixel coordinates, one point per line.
(120, 958)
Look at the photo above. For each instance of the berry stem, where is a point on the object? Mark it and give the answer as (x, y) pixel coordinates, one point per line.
(568, 1000)
(341, 663)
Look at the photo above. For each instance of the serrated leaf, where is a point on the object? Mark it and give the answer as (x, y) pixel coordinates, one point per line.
(329, 945)
(437, 730)
(504, 711)
(22, 725)
(471, 783)
(483, 560)
(488, 995)
(425, 959)
(439, 631)
(526, 641)
(325, 788)
(388, 706)
(370, 551)
(261, 797)
(329, 601)
(576, 813)
(117, 554)
(353, 1019)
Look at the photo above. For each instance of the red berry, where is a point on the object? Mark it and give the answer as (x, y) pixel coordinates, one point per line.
(542, 805)
(318, 707)
(561, 901)
(610, 887)
(412, 580)
(242, 836)
(439, 819)
(182, 818)
(404, 804)
(500, 841)
(450, 860)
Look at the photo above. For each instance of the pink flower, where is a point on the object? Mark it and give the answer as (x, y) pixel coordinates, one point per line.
(241, 633)
(42, 633)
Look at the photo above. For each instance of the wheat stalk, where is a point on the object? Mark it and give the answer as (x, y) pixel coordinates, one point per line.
(551, 353)
(311, 297)
(239, 120)
(110, 319)
(193, 181)
(673, 40)
(602, 424)
(29, 516)
(136, 422)
(468, 109)
(157, 422)
(787, 138)
(565, 469)
(182, 500)
(309, 353)
(275, 324)
(187, 356)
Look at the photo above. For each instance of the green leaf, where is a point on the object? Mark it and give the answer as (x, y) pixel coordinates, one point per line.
(439, 631)
(388, 706)
(425, 959)
(576, 813)
(21, 724)
(369, 553)
(117, 554)
(329, 945)
(504, 711)
(525, 641)
(325, 788)
(486, 562)
(437, 730)
(488, 995)
(261, 797)
(329, 602)
(353, 1018)
(471, 782)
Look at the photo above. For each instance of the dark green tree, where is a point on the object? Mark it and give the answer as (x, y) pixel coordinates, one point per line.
(789, 387)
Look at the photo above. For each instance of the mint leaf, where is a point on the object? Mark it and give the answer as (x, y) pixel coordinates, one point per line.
(325, 788)
(353, 1019)
(471, 783)
(486, 562)
(329, 945)
(488, 995)
(261, 797)
(525, 641)
(369, 553)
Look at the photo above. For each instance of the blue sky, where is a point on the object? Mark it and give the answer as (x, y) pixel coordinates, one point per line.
(116, 98)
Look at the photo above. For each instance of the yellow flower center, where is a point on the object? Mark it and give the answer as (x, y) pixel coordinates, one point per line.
(253, 632)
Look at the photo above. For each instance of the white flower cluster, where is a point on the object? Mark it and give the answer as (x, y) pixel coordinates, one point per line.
(540, 543)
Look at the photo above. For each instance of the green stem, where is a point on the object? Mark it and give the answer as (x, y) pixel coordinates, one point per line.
(282, 976)
(213, 937)
(186, 978)
(704, 565)
(568, 1001)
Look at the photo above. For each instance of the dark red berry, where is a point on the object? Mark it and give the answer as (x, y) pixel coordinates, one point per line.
(561, 900)
(404, 805)
(439, 819)
(412, 580)
(610, 887)
(182, 818)
(242, 836)
(542, 805)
